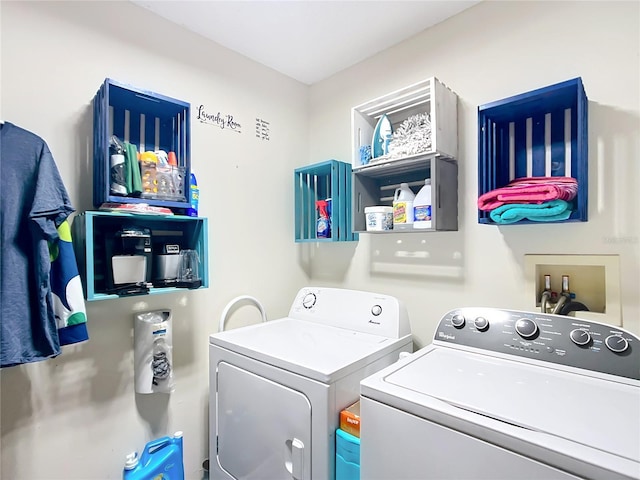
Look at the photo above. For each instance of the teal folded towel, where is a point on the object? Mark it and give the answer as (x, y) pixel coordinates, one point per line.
(552, 211)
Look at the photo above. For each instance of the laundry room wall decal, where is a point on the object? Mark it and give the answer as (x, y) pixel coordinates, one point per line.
(223, 121)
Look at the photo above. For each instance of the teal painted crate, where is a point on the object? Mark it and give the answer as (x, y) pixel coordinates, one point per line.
(541, 133)
(328, 179)
(93, 229)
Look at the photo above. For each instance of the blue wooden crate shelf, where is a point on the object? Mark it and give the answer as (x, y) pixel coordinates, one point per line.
(542, 133)
(328, 179)
(151, 122)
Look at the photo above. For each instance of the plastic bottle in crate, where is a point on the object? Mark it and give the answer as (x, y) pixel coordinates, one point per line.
(422, 207)
(194, 196)
(403, 207)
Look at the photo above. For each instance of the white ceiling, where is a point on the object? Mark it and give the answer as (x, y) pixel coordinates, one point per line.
(308, 40)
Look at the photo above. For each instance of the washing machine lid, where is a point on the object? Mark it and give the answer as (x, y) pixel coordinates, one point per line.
(595, 412)
(320, 352)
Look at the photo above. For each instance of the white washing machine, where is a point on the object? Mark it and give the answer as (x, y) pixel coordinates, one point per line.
(277, 388)
(503, 394)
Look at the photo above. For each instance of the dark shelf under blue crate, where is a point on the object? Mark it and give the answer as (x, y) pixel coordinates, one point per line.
(542, 133)
(148, 120)
(328, 179)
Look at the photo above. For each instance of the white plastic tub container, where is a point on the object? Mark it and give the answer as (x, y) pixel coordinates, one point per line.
(379, 218)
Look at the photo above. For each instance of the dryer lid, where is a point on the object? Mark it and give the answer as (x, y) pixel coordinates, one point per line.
(591, 411)
(320, 352)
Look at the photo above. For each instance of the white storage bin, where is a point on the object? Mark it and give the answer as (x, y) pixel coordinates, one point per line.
(379, 218)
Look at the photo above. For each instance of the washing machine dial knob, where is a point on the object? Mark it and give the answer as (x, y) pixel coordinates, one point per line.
(458, 321)
(376, 310)
(481, 323)
(616, 343)
(580, 336)
(309, 300)
(526, 328)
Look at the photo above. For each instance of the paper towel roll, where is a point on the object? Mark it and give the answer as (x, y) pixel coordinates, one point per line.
(152, 345)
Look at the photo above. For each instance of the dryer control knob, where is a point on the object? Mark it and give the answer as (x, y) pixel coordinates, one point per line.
(458, 321)
(616, 343)
(309, 300)
(481, 323)
(526, 328)
(580, 336)
(376, 310)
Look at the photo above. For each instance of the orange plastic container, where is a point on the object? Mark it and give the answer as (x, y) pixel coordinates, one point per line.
(350, 419)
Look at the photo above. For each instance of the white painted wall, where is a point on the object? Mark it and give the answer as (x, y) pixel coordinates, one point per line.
(489, 52)
(75, 417)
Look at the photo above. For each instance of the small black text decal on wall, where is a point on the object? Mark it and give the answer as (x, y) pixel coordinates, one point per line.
(262, 129)
(225, 122)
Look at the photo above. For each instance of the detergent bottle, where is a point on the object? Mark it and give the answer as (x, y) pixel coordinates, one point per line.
(194, 196)
(403, 207)
(323, 224)
(160, 460)
(422, 207)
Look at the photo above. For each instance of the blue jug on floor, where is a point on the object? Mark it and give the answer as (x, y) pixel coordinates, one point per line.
(161, 459)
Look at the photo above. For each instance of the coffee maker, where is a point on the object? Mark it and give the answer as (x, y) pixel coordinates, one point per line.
(128, 258)
(166, 265)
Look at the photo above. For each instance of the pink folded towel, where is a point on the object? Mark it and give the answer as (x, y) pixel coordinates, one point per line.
(530, 190)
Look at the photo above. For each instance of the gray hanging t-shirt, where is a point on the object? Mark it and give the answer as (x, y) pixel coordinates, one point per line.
(34, 203)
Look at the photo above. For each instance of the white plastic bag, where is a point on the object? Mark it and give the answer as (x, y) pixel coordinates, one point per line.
(152, 354)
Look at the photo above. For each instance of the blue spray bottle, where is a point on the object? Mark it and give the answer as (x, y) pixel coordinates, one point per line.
(323, 224)
(194, 196)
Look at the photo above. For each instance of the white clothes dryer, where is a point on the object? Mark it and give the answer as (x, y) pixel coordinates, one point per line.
(504, 394)
(277, 388)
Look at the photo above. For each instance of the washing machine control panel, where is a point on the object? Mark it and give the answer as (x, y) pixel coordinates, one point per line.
(559, 339)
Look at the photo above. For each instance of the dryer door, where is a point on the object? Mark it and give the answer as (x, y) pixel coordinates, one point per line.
(264, 428)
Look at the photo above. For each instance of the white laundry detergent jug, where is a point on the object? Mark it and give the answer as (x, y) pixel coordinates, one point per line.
(403, 207)
(422, 207)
